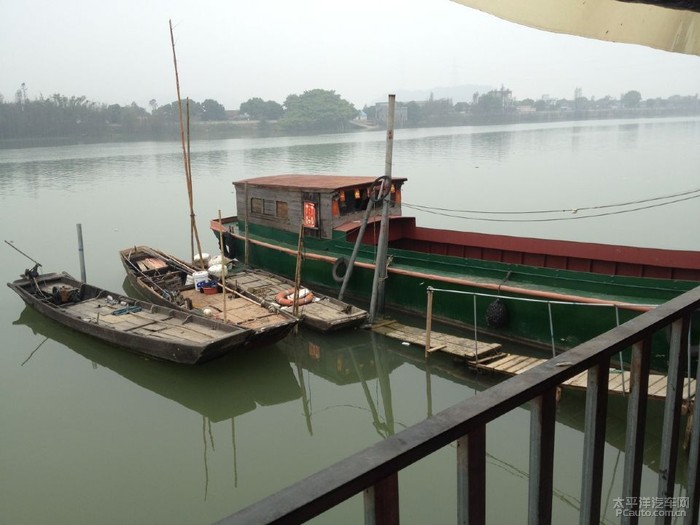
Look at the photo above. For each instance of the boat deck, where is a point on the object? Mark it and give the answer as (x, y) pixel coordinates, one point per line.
(325, 313)
(239, 310)
(142, 322)
(472, 351)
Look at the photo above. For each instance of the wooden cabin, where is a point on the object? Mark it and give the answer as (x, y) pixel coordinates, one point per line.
(322, 202)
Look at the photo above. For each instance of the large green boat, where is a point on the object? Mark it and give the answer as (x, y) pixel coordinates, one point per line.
(548, 293)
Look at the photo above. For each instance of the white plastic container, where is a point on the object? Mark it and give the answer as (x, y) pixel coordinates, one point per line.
(200, 277)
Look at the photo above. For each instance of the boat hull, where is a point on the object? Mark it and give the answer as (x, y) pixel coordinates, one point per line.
(181, 351)
(547, 308)
(262, 333)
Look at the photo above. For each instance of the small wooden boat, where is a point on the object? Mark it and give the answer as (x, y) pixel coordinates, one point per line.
(144, 328)
(317, 311)
(167, 280)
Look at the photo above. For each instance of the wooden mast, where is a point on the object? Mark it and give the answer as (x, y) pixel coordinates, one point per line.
(188, 172)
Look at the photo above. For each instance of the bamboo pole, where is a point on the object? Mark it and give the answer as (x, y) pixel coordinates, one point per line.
(223, 264)
(188, 173)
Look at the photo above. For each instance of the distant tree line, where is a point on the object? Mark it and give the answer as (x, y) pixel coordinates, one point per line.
(316, 111)
(499, 106)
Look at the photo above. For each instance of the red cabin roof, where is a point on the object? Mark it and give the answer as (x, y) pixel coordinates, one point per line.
(311, 182)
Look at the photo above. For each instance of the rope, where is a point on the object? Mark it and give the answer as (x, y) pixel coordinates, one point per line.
(574, 212)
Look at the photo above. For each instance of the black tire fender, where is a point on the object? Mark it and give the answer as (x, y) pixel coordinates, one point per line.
(340, 268)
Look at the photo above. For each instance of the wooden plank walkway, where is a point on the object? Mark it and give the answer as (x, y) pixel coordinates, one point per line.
(488, 357)
(619, 382)
(469, 349)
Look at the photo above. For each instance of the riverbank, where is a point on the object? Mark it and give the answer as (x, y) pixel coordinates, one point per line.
(215, 130)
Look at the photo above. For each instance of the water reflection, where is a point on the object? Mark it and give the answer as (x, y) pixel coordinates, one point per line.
(220, 390)
(345, 359)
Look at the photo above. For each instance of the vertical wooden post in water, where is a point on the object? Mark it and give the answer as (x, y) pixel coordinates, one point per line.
(223, 263)
(81, 252)
(428, 320)
(380, 270)
(246, 250)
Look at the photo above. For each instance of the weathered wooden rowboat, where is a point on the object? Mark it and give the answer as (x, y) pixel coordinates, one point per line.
(141, 327)
(167, 280)
(317, 311)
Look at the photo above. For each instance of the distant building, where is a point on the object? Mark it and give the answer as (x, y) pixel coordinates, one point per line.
(382, 113)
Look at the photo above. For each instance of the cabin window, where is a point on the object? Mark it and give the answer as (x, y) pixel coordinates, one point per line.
(256, 205)
(269, 207)
(282, 210)
(352, 201)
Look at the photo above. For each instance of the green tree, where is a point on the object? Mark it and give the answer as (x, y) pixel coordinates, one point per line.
(631, 99)
(317, 111)
(212, 110)
(414, 113)
(489, 103)
(259, 109)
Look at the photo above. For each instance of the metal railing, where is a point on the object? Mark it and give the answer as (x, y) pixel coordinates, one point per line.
(376, 469)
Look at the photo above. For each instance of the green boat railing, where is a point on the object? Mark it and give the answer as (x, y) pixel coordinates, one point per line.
(375, 471)
(431, 291)
(548, 302)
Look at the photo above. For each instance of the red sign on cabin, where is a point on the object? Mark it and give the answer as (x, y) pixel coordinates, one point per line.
(309, 215)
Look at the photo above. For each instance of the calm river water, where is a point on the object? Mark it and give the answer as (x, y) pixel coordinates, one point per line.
(90, 434)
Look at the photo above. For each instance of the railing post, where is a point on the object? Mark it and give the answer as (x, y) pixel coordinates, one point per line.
(542, 419)
(428, 320)
(594, 442)
(471, 478)
(636, 423)
(693, 514)
(382, 502)
(672, 411)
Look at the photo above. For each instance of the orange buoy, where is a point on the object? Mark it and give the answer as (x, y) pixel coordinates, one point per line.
(286, 297)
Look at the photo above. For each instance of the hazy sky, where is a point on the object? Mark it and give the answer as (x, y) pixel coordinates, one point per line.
(119, 52)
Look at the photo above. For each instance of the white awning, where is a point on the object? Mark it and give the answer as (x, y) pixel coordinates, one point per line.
(674, 30)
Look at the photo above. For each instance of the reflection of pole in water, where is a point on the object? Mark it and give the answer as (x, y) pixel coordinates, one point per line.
(206, 427)
(384, 385)
(206, 467)
(305, 400)
(373, 409)
(428, 388)
(34, 351)
(612, 480)
(235, 455)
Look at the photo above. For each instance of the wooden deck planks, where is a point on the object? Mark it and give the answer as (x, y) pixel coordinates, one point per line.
(460, 346)
(619, 383)
(322, 310)
(145, 322)
(239, 310)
